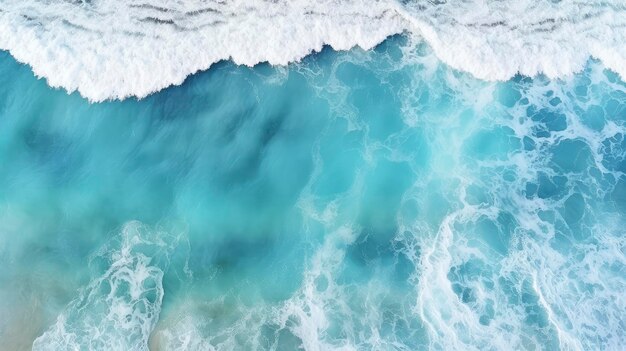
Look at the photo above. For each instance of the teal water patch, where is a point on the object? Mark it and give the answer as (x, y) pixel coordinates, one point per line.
(355, 200)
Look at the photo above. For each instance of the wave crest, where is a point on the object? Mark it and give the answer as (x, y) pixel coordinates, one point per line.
(109, 49)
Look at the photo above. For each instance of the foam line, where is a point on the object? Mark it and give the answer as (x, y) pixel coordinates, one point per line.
(109, 49)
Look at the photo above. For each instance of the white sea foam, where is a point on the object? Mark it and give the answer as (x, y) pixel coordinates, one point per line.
(494, 40)
(108, 49)
(112, 49)
(120, 307)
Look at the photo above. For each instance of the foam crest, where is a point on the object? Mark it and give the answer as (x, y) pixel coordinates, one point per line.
(119, 308)
(494, 40)
(109, 49)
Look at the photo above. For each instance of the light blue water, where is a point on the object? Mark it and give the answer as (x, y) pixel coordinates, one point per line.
(356, 200)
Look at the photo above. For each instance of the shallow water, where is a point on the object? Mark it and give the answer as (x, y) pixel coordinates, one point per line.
(356, 200)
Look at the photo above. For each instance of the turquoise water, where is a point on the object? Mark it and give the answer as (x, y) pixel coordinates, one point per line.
(356, 200)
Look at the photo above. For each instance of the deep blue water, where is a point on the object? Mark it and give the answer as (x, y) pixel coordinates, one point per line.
(371, 200)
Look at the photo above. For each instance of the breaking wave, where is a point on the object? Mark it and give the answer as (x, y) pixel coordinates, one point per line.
(107, 49)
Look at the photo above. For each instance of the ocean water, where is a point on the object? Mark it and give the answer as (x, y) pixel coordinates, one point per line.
(379, 198)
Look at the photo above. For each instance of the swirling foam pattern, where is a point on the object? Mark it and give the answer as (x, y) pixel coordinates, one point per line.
(109, 49)
(119, 308)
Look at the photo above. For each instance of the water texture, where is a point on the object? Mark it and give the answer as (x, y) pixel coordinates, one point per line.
(356, 200)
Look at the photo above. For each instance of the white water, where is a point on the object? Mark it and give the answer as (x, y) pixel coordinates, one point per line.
(108, 49)
(118, 309)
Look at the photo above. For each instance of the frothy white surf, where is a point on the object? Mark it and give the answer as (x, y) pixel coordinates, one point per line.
(112, 49)
(495, 40)
(108, 49)
(120, 307)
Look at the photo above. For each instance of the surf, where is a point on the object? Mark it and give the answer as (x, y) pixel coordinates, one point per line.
(109, 49)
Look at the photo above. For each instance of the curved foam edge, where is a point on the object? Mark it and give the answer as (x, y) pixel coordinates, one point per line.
(498, 41)
(111, 50)
(115, 59)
